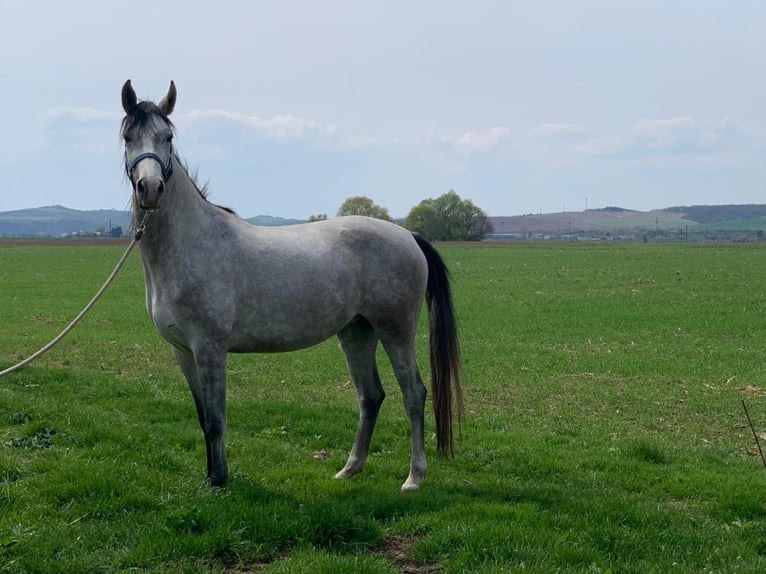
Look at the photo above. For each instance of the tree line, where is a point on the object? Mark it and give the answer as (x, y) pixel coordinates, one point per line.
(446, 218)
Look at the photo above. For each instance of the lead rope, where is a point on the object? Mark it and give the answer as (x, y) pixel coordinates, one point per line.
(136, 238)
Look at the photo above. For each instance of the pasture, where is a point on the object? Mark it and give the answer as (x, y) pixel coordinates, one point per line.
(604, 428)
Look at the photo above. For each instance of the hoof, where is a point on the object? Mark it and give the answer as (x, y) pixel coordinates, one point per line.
(345, 474)
(352, 468)
(414, 479)
(216, 482)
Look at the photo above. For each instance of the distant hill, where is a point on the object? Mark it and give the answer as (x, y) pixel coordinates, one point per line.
(617, 220)
(58, 221)
(271, 221)
(719, 213)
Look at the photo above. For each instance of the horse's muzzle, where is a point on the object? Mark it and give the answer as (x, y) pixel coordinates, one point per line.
(149, 191)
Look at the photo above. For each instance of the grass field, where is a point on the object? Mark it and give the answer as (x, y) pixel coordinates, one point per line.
(604, 431)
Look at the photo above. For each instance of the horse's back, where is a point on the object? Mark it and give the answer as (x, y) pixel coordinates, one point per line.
(355, 243)
(353, 231)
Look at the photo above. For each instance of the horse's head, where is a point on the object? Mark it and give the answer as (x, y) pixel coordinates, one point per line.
(148, 136)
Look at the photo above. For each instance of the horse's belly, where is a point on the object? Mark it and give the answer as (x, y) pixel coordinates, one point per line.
(283, 339)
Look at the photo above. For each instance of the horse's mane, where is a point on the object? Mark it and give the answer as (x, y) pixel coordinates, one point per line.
(138, 118)
(203, 189)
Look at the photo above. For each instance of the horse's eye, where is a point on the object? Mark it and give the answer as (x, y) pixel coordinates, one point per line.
(127, 139)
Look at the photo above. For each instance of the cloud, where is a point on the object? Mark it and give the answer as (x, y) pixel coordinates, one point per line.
(281, 127)
(481, 141)
(680, 134)
(286, 128)
(82, 129)
(469, 142)
(602, 146)
(664, 137)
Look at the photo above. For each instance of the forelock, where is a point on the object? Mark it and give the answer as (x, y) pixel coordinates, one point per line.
(141, 115)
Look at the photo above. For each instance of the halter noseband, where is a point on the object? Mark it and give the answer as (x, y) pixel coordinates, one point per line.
(167, 170)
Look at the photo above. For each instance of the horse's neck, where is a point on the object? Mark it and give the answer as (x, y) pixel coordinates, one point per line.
(181, 215)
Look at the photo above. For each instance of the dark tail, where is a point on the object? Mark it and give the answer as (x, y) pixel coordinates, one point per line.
(445, 348)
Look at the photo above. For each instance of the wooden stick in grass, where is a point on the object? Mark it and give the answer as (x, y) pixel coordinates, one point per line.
(755, 434)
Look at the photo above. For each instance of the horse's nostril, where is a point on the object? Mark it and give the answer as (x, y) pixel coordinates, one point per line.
(141, 189)
(161, 188)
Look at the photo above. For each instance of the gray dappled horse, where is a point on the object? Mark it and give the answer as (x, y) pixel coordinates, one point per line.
(216, 284)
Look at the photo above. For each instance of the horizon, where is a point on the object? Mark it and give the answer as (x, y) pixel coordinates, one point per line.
(490, 215)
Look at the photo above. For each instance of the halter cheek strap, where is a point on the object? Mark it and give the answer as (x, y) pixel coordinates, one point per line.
(167, 169)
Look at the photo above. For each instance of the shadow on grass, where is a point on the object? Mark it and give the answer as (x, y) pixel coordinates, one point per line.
(346, 517)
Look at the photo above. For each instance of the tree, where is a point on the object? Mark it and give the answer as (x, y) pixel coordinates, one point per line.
(449, 218)
(360, 205)
(318, 217)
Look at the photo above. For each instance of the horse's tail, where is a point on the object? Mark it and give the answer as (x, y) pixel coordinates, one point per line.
(445, 348)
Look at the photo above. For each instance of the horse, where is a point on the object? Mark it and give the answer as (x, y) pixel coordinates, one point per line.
(216, 284)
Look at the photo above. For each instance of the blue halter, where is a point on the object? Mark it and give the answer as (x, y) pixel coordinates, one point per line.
(167, 170)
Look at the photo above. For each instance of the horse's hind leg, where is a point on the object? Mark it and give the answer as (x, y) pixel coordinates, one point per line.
(402, 357)
(359, 342)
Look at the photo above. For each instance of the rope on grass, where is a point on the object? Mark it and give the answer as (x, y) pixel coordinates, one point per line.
(136, 237)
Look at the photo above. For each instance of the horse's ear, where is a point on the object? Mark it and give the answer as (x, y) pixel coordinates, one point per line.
(169, 101)
(129, 98)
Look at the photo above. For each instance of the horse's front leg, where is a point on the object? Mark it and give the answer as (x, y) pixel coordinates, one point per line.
(205, 373)
(211, 369)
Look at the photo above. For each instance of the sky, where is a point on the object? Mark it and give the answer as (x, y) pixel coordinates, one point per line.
(288, 108)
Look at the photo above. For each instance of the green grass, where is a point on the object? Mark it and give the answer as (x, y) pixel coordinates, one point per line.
(604, 430)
